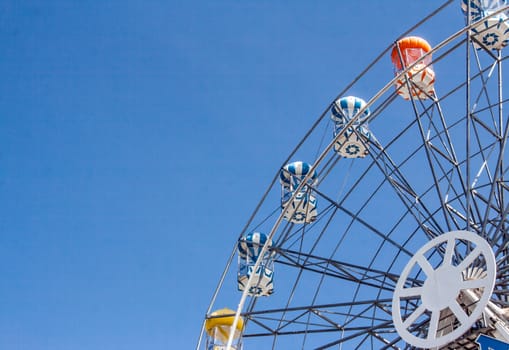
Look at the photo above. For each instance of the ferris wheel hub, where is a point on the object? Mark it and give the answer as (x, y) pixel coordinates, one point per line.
(441, 287)
(455, 264)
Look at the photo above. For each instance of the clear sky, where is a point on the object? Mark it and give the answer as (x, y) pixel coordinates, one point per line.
(136, 137)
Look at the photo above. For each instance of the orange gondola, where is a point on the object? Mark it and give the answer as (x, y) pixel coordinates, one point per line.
(419, 81)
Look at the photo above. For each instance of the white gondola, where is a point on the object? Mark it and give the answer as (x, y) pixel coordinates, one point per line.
(302, 209)
(353, 143)
(493, 29)
(249, 248)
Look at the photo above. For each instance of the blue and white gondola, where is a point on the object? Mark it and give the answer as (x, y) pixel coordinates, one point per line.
(493, 31)
(249, 248)
(353, 143)
(302, 209)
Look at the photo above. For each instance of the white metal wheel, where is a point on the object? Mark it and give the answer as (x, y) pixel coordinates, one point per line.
(441, 294)
(433, 165)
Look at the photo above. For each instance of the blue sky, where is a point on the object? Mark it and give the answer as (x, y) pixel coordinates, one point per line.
(136, 137)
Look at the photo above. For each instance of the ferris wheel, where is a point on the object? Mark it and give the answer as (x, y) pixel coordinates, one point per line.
(393, 233)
